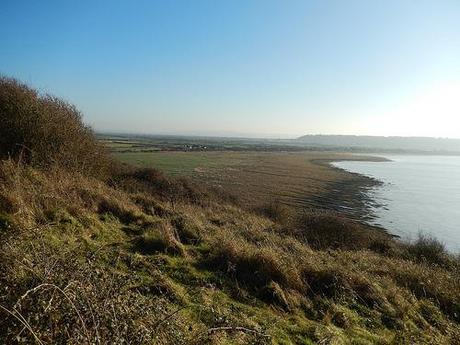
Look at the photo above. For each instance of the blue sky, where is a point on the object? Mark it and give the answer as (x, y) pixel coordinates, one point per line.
(243, 67)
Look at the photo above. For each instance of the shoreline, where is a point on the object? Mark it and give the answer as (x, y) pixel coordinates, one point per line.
(350, 197)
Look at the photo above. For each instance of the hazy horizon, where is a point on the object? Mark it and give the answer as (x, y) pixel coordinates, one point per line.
(239, 135)
(262, 69)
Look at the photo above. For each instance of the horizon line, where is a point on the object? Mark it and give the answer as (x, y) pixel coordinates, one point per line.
(268, 137)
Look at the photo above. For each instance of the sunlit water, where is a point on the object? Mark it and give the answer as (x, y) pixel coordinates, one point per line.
(418, 194)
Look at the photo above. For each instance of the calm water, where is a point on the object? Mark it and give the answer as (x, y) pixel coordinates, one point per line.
(419, 194)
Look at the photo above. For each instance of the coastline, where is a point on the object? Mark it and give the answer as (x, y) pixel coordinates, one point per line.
(350, 197)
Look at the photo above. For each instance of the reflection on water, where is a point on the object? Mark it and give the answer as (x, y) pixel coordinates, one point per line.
(418, 194)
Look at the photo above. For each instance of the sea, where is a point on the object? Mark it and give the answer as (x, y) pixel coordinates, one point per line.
(418, 194)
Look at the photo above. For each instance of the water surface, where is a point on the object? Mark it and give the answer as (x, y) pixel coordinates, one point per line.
(418, 194)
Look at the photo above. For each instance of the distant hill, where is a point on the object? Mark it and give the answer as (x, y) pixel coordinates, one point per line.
(384, 143)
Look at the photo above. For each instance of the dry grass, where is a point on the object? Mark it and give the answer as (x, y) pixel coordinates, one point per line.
(295, 179)
(142, 258)
(172, 190)
(160, 237)
(277, 211)
(98, 245)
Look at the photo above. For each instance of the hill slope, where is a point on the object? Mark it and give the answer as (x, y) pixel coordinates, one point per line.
(85, 262)
(131, 256)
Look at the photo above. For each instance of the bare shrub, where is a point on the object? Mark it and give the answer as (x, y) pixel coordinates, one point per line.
(45, 131)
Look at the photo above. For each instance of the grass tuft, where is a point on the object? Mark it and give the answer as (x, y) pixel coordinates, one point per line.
(159, 238)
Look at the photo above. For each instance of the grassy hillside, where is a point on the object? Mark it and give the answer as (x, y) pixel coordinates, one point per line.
(131, 256)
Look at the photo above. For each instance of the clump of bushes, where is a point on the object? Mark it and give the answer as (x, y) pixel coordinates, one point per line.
(44, 131)
(429, 250)
(326, 230)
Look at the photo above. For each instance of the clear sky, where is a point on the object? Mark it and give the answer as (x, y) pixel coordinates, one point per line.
(243, 67)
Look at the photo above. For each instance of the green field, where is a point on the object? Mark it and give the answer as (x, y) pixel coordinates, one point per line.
(179, 163)
(299, 179)
(254, 170)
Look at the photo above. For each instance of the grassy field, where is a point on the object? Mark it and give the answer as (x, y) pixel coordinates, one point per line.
(181, 163)
(294, 178)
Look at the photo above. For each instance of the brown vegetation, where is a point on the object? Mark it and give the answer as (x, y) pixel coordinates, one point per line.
(46, 131)
(142, 258)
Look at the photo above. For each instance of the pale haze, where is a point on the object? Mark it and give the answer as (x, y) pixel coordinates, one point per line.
(244, 68)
